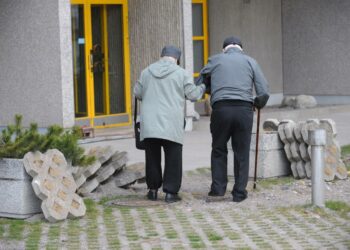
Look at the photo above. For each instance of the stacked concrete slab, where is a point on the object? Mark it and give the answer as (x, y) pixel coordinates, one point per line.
(296, 146)
(54, 184)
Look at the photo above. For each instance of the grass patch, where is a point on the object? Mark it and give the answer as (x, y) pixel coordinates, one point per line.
(34, 235)
(16, 229)
(345, 150)
(270, 182)
(340, 207)
(53, 236)
(214, 237)
(345, 154)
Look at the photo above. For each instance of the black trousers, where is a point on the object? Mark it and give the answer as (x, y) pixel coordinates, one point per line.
(231, 119)
(173, 165)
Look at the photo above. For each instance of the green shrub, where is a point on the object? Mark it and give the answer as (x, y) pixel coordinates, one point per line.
(15, 142)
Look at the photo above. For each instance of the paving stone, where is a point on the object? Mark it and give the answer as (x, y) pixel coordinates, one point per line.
(57, 158)
(35, 163)
(80, 180)
(88, 187)
(289, 131)
(104, 173)
(92, 169)
(341, 171)
(294, 149)
(130, 174)
(271, 125)
(288, 152)
(329, 125)
(43, 185)
(297, 131)
(304, 154)
(300, 166)
(102, 154)
(293, 167)
(54, 209)
(308, 169)
(77, 207)
(281, 133)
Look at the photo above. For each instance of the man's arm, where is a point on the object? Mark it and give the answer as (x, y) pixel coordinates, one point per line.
(261, 86)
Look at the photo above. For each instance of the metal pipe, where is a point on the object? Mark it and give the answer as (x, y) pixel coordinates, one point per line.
(317, 141)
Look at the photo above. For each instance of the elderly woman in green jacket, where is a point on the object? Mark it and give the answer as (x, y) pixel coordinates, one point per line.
(163, 88)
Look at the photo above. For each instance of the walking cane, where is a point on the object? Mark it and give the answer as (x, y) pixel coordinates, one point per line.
(256, 147)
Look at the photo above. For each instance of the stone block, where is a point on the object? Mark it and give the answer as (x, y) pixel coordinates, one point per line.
(281, 133)
(304, 101)
(17, 196)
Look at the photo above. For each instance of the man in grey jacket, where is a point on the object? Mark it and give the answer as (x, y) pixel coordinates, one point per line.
(231, 77)
(162, 88)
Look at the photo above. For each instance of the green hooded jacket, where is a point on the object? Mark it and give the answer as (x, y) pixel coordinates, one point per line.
(163, 88)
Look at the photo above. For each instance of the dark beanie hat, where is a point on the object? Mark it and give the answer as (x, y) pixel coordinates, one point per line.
(232, 40)
(172, 51)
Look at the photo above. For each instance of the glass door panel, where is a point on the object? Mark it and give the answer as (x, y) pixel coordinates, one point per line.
(115, 60)
(79, 74)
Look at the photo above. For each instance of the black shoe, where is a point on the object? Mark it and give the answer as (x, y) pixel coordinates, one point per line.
(238, 199)
(170, 198)
(152, 194)
(212, 193)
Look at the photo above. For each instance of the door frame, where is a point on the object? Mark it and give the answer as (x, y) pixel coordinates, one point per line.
(89, 119)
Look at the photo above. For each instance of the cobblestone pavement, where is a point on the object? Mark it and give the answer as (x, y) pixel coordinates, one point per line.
(266, 220)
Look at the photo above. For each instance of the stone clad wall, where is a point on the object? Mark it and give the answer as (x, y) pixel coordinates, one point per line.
(152, 24)
(258, 24)
(36, 77)
(316, 55)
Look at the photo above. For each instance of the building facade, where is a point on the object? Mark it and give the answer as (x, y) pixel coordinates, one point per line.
(74, 62)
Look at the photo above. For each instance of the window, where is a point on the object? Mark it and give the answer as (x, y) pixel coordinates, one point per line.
(200, 35)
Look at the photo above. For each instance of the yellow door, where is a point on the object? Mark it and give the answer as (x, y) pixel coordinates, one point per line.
(101, 63)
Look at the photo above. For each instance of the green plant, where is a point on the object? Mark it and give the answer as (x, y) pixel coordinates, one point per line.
(16, 141)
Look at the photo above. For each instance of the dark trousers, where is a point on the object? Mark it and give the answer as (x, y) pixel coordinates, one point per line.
(231, 119)
(173, 165)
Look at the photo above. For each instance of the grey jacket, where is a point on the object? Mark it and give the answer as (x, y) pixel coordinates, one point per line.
(232, 76)
(163, 88)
